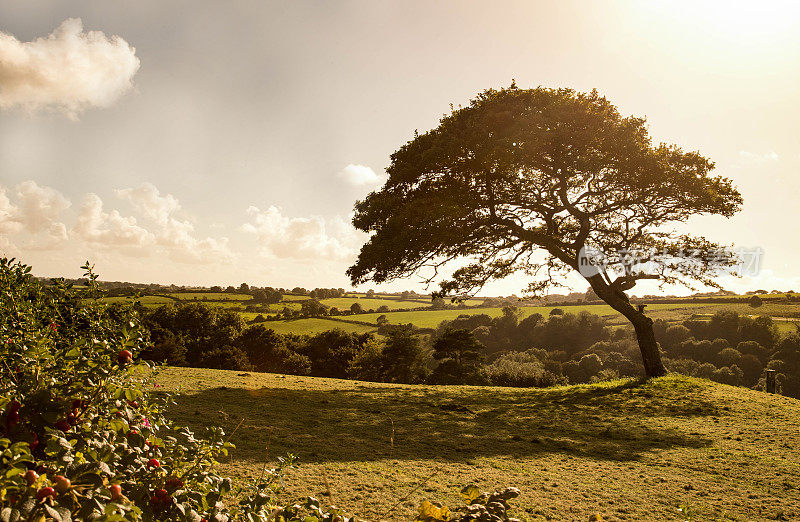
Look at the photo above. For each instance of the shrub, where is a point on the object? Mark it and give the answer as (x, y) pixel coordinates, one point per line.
(81, 439)
(605, 375)
(728, 375)
(225, 358)
(459, 356)
(368, 363)
(520, 369)
(404, 358)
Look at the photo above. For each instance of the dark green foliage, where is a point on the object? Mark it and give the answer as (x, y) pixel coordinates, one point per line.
(404, 358)
(459, 356)
(520, 369)
(225, 357)
(331, 352)
(268, 351)
(313, 308)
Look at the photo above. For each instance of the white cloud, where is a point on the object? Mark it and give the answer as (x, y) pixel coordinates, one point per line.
(36, 211)
(110, 229)
(302, 237)
(148, 199)
(753, 157)
(359, 175)
(68, 71)
(174, 234)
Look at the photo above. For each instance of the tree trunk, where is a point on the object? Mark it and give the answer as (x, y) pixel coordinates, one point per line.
(642, 325)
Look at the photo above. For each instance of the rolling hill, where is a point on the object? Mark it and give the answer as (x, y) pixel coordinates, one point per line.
(673, 448)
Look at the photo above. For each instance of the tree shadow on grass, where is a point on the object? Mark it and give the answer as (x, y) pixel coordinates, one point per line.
(612, 422)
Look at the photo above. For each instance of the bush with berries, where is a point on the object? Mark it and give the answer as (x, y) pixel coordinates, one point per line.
(80, 436)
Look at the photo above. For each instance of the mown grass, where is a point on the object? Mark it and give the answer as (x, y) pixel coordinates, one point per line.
(288, 297)
(628, 450)
(217, 296)
(344, 303)
(311, 326)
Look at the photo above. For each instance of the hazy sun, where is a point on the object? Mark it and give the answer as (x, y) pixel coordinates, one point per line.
(734, 19)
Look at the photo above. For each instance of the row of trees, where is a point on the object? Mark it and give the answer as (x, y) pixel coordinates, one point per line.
(507, 350)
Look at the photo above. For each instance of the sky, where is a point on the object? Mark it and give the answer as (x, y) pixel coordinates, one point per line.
(204, 143)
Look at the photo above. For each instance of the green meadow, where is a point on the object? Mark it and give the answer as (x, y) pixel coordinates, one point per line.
(673, 448)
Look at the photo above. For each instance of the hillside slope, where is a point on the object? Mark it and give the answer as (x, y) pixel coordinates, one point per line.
(673, 448)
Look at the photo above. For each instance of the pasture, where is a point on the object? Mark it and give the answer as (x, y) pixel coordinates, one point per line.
(210, 296)
(344, 303)
(311, 326)
(671, 448)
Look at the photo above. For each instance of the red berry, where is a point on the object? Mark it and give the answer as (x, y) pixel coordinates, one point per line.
(116, 491)
(153, 463)
(62, 483)
(63, 425)
(124, 356)
(31, 477)
(161, 493)
(43, 493)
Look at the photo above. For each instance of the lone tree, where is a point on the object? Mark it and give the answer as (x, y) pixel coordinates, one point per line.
(525, 180)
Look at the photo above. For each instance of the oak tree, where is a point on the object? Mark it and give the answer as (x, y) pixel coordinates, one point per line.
(530, 180)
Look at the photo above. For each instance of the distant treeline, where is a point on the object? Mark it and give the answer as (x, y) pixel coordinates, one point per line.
(479, 349)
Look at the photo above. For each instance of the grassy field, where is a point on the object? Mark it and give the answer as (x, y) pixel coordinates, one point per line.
(310, 326)
(344, 303)
(673, 448)
(147, 300)
(432, 318)
(287, 297)
(217, 296)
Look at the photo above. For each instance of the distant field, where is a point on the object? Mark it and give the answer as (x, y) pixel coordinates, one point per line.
(671, 312)
(147, 300)
(221, 296)
(672, 448)
(312, 326)
(287, 297)
(432, 318)
(344, 303)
